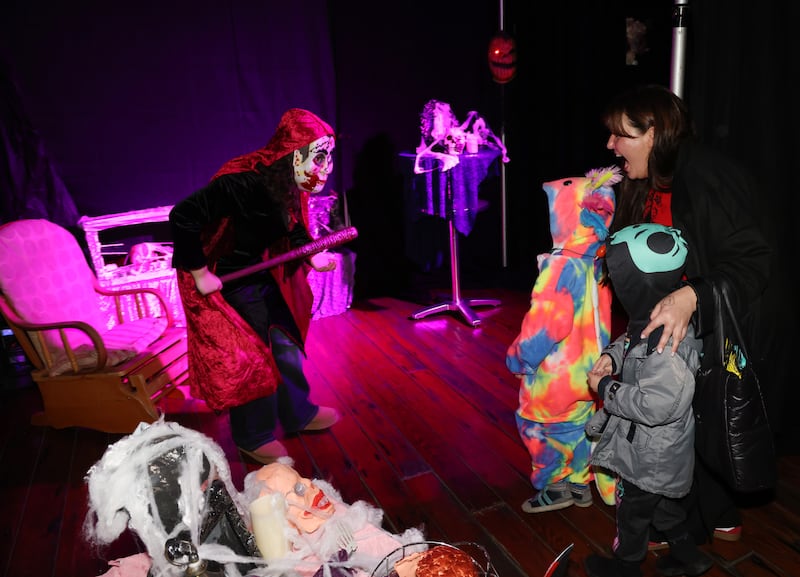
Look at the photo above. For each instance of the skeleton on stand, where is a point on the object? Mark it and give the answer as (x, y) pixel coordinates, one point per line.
(444, 138)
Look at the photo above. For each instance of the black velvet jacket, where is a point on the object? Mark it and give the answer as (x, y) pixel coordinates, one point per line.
(256, 220)
(715, 205)
(257, 227)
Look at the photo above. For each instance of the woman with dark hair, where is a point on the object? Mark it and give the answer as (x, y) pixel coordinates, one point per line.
(672, 179)
(246, 338)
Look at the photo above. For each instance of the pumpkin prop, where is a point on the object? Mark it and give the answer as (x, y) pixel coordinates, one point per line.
(502, 57)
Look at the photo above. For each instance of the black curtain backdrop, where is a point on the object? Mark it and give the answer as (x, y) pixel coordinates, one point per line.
(131, 106)
(741, 58)
(139, 104)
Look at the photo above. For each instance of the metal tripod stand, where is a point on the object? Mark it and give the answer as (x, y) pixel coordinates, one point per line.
(456, 303)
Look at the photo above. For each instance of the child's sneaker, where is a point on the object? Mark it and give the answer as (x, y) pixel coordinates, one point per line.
(581, 494)
(685, 559)
(693, 566)
(599, 566)
(551, 498)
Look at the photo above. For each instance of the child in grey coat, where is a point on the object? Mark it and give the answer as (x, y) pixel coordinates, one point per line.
(645, 431)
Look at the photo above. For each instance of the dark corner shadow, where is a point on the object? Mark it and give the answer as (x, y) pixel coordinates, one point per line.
(375, 205)
(367, 305)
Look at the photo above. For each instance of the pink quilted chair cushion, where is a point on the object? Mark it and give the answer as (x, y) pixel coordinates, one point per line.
(122, 342)
(45, 276)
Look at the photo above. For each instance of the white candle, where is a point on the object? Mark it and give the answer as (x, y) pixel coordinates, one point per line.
(268, 517)
(473, 143)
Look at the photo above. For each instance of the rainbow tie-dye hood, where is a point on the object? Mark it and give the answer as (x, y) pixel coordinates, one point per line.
(581, 210)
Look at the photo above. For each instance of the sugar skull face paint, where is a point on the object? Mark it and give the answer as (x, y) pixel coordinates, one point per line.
(311, 172)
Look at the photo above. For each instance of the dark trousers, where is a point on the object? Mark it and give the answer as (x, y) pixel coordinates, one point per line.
(253, 424)
(710, 504)
(637, 510)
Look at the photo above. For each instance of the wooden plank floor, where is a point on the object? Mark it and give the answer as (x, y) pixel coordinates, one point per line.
(427, 435)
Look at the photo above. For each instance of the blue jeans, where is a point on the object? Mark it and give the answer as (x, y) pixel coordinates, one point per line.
(253, 424)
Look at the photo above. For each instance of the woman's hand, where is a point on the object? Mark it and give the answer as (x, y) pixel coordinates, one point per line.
(674, 312)
(206, 281)
(322, 262)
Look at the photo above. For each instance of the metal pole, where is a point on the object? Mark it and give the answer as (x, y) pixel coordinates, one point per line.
(680, 13)
(503, 199)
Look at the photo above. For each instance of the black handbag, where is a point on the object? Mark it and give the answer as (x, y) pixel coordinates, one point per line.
(733, 436)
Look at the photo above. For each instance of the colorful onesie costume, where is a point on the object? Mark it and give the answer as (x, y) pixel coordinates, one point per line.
(562, 334)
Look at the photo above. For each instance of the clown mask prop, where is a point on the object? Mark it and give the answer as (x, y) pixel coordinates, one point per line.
(307, 507)
(312, 170)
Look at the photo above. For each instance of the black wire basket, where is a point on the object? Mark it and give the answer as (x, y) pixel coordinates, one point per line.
(475, 551)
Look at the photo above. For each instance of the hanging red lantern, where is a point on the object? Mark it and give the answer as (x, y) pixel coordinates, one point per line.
(502, 57)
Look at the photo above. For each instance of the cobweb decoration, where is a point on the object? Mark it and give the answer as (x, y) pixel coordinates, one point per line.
(161, 482)
(122, 494)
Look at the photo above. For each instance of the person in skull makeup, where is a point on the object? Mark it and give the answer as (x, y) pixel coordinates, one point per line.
(246, 338)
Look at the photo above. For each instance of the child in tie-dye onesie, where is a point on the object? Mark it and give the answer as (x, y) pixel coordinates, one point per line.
(562, 334)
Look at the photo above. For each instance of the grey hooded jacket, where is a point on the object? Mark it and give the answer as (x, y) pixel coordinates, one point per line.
(645, 430)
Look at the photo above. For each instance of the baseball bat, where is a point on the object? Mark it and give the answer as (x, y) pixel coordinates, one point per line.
(322, 243)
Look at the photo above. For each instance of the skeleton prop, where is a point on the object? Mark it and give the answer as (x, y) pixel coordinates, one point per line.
(444, 138)
(149, 256)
